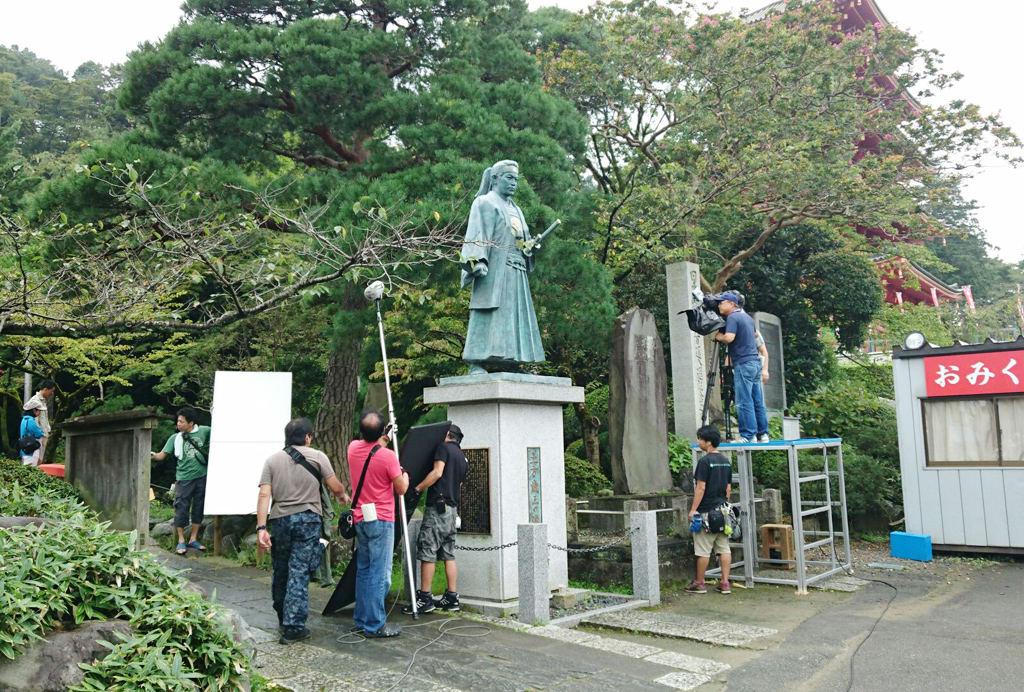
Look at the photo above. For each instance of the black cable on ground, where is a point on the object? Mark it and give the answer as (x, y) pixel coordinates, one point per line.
(835, 557)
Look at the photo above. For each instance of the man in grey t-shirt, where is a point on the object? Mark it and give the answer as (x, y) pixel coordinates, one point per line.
(295, 521)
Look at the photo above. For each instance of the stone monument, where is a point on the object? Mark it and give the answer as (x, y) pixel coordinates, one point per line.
(770, 328)
(638, 406)
(512, 421)
(689, 376)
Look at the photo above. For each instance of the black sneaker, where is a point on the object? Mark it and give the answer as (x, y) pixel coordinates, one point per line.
(384, 632)
(293, 634)
(424, 603)
(449, 602)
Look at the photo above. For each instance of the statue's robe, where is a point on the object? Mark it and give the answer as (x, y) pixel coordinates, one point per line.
(502, 321)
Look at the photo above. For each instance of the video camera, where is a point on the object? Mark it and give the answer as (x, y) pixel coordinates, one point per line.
(705, 318)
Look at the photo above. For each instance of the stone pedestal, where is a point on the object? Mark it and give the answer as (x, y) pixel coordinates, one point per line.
(107, 459)
(689, 377)
(513, 440)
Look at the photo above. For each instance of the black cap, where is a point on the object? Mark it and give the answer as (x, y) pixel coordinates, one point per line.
(456, 432)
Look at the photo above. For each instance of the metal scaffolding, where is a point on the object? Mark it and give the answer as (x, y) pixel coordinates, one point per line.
(802, 509)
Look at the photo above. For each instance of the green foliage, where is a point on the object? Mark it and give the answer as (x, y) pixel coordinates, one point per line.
(80, 570)
(811, 278)
(874, 378)
(32, 482)
(679, 454)
(842, 408)
(895, 322)
(583, 479)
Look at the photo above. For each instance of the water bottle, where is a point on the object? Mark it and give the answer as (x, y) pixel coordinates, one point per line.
(695, 525)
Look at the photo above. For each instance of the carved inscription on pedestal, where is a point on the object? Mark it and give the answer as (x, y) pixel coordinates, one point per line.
(475, 500)
(534, 484)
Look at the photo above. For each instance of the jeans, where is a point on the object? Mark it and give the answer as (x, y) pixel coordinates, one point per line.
(296, 554)
(374, 553)
(190, 493)
(753, 419)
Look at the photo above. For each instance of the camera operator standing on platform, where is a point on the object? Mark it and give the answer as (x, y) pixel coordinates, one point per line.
(739, 334)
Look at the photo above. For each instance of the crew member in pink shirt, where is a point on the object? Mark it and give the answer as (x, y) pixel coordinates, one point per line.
(373, 512)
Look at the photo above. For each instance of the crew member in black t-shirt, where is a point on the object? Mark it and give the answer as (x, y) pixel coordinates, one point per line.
(713, 484)
(436, 540)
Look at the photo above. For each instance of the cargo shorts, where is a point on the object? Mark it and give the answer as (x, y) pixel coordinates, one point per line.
(705, 543)
(436, 541)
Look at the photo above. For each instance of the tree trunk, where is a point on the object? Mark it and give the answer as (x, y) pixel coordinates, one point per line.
(333, 426)
(591, 427)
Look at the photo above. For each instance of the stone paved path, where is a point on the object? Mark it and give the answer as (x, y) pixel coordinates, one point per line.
(697, 629)
(510, 658)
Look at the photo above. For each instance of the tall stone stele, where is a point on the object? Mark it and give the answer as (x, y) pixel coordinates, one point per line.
(512, 421)
(689, 376)
(638, 406)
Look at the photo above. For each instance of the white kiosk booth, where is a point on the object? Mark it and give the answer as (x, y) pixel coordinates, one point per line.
(960, 415)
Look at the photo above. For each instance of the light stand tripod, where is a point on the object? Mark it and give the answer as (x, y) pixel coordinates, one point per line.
(375, 292)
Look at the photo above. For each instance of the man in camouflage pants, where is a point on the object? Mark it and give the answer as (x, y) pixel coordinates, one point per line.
(292, 479)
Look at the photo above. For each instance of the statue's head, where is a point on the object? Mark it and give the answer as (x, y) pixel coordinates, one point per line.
(502, 177)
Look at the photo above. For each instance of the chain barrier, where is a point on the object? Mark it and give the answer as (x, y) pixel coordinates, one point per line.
(487, 549)
(566, 549)
(596, 548)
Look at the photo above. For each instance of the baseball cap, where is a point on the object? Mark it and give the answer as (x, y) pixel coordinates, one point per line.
(729, 295)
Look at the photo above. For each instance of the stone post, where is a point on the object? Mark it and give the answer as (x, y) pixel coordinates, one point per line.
(572, 519)
(534, 591)
(630, 506)
(689, 378)
(680, 514)
(646, 581)
(772, 512)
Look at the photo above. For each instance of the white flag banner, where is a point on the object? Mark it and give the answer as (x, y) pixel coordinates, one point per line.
(250, 411)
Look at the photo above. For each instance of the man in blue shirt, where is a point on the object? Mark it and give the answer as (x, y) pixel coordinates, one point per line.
(739, 334)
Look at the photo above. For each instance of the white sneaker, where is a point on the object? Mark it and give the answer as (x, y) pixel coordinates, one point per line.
(763, 438)
(741, 441)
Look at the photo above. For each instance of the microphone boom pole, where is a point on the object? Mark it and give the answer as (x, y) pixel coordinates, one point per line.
(375, 292)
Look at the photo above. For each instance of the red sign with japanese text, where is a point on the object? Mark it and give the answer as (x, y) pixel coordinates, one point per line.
(975, 374)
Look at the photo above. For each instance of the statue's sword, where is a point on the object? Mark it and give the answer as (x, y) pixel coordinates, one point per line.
(544, 235)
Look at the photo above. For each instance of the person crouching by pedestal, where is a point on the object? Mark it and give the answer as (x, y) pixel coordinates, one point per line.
(291, 478)
(376, 477)
(712, 487)
(436, 541)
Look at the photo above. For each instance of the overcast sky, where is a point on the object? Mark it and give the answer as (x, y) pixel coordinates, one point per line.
(984, 44)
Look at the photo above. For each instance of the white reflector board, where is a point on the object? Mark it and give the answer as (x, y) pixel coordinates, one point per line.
(250, 410)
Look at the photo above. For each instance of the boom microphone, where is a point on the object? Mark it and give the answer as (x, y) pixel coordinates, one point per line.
(374, 291)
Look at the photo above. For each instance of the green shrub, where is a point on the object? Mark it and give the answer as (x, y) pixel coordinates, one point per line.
(583, 479)
(843, 408)
(679, 454)
(32, 480)
(75, 569)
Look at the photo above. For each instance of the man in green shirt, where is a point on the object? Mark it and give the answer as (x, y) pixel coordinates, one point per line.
(191, 447)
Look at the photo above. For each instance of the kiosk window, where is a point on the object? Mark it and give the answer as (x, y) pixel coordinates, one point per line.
(974, 432)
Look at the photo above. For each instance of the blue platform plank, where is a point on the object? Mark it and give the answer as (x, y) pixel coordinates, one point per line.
(808, 442)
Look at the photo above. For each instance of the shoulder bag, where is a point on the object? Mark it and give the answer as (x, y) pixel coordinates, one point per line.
(346, 522)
